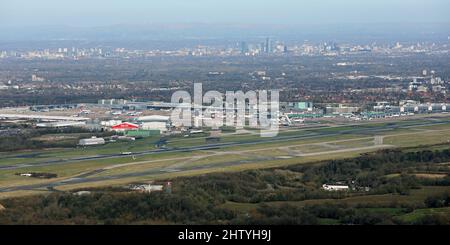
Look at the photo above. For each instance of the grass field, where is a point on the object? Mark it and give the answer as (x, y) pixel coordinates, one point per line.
(420, 213)
(234, 158)
(379, 202)
(426, 138)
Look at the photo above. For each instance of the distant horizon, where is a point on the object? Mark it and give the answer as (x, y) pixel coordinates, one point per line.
(85, 13)
(226, 19)
(239, 24)
(232, 31)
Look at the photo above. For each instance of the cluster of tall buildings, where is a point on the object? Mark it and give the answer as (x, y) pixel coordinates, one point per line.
(266, 47)
(262, 47)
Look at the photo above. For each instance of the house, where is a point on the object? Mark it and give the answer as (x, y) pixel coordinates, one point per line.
(335, 187)
(122, 127)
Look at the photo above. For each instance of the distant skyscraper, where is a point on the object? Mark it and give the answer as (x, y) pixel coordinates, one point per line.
(268, 46)
(244, 48)
(262, 47)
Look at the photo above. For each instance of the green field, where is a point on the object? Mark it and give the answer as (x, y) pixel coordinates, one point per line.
(327, 143)
(395, 187)
(421, 213)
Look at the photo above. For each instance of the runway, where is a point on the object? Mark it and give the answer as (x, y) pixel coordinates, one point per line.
(311, 135)
(86, 177)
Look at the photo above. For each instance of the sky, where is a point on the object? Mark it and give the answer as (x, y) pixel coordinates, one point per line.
(95, 13)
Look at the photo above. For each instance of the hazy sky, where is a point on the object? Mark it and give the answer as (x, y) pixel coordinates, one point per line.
(111, 12)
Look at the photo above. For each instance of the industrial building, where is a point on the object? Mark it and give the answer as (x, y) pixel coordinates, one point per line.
(341, 109)
(42, 117)
(91, 141)
(406, 108)
(60, 124)
(147, 188)
(307, 115)
(110, 123)
(161, 123)
(335, 187)
(40, 108)
(150, 105)
(122, 127)
(301, 105)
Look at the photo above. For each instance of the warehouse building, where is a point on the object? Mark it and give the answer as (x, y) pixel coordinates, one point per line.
(335, 187)
(126, 126)
(161, 123)
(62, 124)
(91, 141)
(342, 109)
(147, 188)
(110, 123)
(300, 106)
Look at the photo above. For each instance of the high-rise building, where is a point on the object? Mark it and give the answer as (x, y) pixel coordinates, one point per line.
(262, 48)
(244, 48)
(268, 46)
